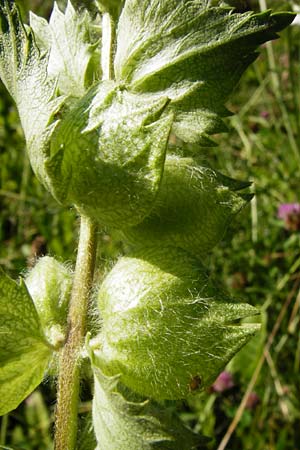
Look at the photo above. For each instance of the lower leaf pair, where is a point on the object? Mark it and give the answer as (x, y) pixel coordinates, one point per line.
(166, 331)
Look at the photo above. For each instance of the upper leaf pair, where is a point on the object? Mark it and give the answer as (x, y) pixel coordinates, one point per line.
(193, 53)
(101, 146)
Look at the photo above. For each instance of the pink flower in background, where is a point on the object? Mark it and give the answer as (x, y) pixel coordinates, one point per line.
(223, 382)
(286, 209)
(265, 114)
(290, 213)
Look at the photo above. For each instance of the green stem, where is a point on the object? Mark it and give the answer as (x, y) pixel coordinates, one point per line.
(108, 37)
(3, 430)
(69, 368)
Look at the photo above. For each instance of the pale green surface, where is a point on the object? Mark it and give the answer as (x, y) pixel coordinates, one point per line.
(121, 423)
(49, 284)
(30, 75)
(24, 352)
(165, 322)
(101, 146)
(69, 40)
(193, 54)
(23, 70)
(193, 209)
(109, 153)
(104, 151)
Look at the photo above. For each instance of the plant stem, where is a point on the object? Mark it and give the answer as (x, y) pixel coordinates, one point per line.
(69, 369)
(3, 430)
(108, 37)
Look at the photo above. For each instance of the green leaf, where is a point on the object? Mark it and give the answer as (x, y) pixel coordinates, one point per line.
(193, 209)
(193, 53)
(73, 48)
(103, 152)
(49, 283)
(107, 155)
(24, 351)
(34, 74)
(123, 423)
(167, 329)
(23, 70)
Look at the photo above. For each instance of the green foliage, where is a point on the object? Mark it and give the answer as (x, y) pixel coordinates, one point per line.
(49, 284)
(194, 206)
(55, 147)
(46, 67)
(102, 146)
(24, 351)
(72, 49)
(193, 53)
(93, 136)
(165, 324)
(23, 70)
(120, 421)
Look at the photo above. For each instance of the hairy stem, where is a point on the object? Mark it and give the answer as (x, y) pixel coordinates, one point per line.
(69, 369)
(108, 38)
(3, 429)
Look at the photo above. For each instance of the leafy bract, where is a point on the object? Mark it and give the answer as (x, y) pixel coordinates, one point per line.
(34, 65)
(193, 53)
(103, 152)
(24, 351)
(73, 56)
(103, 149)
(49, 284)
(123, 423)
(108, 154)
(194, 206)
(23, 70)
(167, 329)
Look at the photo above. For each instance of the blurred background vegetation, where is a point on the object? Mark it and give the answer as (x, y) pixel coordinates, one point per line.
(258, 260)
